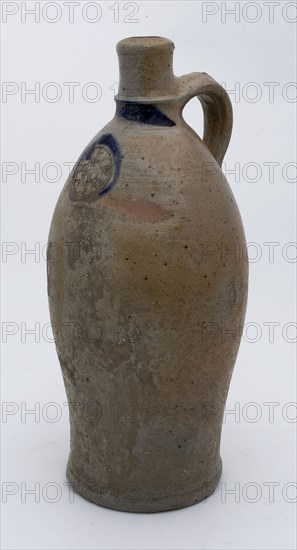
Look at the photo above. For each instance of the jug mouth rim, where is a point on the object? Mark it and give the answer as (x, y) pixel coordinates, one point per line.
(134, 44)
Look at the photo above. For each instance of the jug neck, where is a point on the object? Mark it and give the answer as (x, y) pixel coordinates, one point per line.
(146, 72)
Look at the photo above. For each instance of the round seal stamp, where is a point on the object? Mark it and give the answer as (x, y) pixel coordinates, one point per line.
(93, 174)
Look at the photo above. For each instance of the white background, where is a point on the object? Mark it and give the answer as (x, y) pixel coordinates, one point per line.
(258, 47)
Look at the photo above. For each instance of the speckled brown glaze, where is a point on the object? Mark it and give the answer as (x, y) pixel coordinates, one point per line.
(147, 284)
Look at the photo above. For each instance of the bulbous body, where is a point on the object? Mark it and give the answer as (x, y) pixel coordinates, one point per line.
(147, 285)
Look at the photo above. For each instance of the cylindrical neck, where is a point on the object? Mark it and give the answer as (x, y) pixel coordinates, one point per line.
(146, 72)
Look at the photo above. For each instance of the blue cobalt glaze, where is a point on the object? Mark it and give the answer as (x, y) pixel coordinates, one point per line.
(112, 143)
(142, 112)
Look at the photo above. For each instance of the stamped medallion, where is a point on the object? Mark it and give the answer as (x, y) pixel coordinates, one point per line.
(93, 174)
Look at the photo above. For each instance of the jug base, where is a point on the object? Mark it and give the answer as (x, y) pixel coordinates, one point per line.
(163, 504)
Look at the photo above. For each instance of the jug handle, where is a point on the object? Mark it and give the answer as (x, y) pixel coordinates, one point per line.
(217, 110)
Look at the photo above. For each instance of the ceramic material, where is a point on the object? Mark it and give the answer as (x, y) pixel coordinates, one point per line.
(147, 285)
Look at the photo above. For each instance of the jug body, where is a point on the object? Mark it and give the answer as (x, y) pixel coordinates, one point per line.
(147, 300)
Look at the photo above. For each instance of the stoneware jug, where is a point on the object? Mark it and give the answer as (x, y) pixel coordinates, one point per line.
(147, 286)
